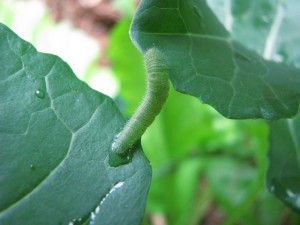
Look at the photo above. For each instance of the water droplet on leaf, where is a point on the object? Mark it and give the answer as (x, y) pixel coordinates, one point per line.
(262, 21)
(278, 58)
(75, 222)
(32, 167)
(281, 56)
(93, 216)
(266, 113)
(287, 190)
(39, 93)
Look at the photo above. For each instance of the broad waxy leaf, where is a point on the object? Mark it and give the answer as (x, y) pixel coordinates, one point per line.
(284, 161)
(205, 62)
(55, 135)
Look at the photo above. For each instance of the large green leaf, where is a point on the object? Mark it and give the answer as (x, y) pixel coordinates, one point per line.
(207, 63)
(284, 161)
(55, 135)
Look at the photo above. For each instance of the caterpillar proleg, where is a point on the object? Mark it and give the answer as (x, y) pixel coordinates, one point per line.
(152, 103)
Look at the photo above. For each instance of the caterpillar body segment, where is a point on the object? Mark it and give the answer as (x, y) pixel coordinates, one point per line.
(152, 103)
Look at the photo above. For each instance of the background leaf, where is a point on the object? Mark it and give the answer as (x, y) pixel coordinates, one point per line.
(207, 63)
(270, 27)
(284, 155)
(55, 135)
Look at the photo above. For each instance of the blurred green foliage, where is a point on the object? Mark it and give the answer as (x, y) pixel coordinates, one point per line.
(200, 159)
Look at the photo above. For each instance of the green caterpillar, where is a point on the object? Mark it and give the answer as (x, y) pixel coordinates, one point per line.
(154, 99)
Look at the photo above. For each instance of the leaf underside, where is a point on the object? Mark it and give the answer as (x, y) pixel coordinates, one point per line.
(204, 61)
(55, 135)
